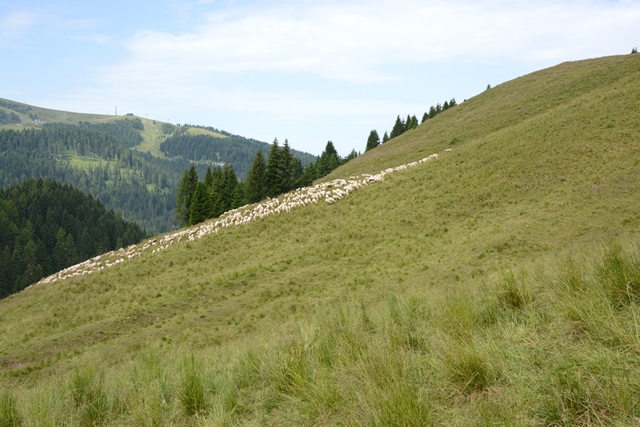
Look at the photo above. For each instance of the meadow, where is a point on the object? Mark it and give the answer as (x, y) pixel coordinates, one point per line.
(496, 286)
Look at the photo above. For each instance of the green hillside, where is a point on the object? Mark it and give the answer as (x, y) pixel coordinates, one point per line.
(497, 285)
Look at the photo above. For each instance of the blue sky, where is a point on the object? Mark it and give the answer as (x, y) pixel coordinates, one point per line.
(301, 70)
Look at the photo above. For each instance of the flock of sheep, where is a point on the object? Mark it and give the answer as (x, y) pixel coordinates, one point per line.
(330, 192)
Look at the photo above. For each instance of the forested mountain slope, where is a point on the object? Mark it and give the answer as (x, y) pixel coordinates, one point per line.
(137, 174)
(495, 285)
(46, 226)
(136, 184)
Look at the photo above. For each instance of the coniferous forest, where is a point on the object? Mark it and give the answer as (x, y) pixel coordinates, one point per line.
(233, 149)
(138, 185)
(46, 226)
(220, 191)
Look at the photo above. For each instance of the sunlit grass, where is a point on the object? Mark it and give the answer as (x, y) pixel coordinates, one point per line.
(478, 289)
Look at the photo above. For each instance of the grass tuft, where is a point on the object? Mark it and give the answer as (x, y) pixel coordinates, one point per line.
(193, 399)
(9, 416)
(468, 368)
(89, 398)
(620, 275)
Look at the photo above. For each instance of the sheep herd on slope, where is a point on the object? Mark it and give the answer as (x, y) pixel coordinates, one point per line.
(330, 192)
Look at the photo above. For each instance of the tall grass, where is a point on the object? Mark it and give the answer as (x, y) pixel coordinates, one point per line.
(9, 416)
(558, 348)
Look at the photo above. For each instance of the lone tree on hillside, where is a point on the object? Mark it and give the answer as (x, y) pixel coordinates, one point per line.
(373, 141)
(634, 50)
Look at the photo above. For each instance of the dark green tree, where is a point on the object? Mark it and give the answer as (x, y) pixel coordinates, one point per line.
(373, 141)
(239, 198)
(230, 181)
(328, 161)
(255, 185)
(309, 175)
(185, 194)
(425, 116)
(412, 122)
(286, 168)
(272, 179)
(352, 155)
(208, 178)
(201, 204)
(432, 112)
(385, 138)
(297, 170)
(398, 128)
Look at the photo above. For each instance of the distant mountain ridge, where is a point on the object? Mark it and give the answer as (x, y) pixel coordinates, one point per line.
(129, 168)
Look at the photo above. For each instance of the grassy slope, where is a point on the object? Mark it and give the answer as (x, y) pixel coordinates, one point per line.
(542, 165)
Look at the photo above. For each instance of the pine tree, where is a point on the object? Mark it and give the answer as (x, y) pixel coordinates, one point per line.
(373, 141)
(272, 181)
(452, 103)
(445, 106)
(286, 168)
(239, 198)
(438, 108)
(309, 175)
(352, 155)
(425, 116)
(201, 205)
(297, 170)
(385, 138)
(413, 123)
(255, 185)
(398, 128)
(208, 178)
(328, 161)
(230, 181)
(432, 112)
(186, 190)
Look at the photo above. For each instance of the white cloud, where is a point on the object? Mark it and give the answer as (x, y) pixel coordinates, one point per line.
(224, 62)
(15, 24)
(354, 41)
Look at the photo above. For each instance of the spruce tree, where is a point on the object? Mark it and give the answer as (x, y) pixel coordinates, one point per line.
(352, 155)
(452, 103)
(398, 128)
(432, 112)
(272, 181)
(208, 178)
(309, 175)
(186, 190)
(229, 186)
(425, 116)
(373, 141)
(385, 138)
(255, 185)
(239, 198)
(200, 205)
(286, 168)
(412, 123)
(328, 161)
(297, 170)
